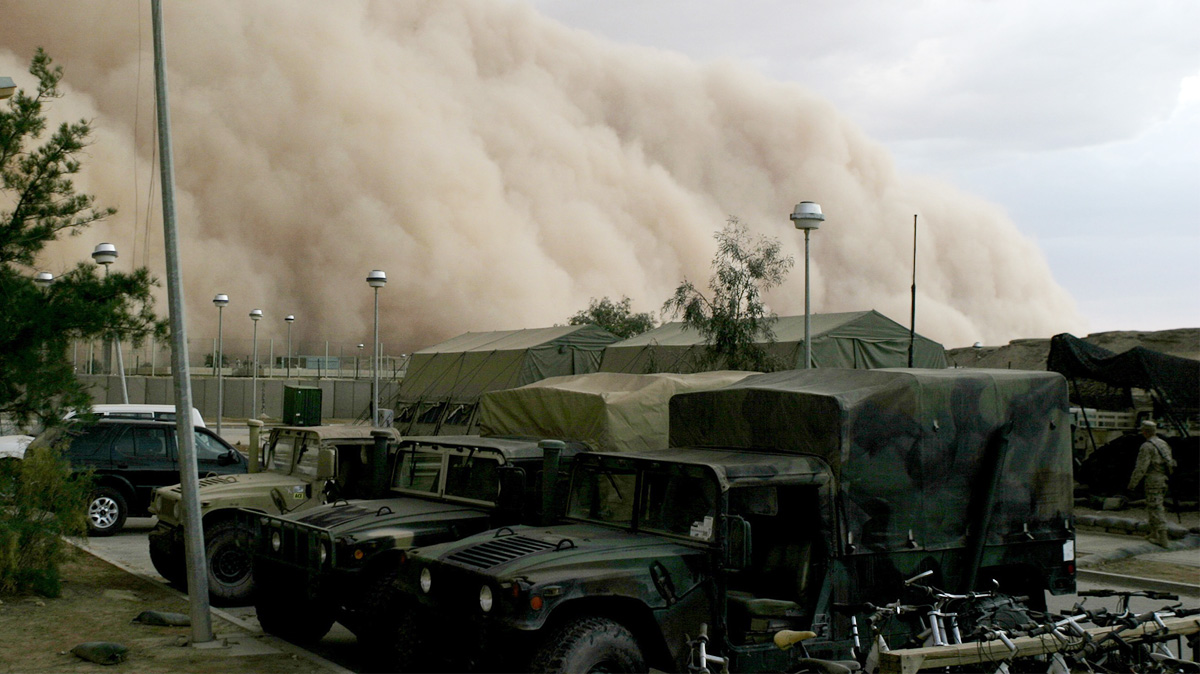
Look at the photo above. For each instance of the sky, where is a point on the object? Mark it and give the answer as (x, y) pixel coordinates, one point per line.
(505, 162)
(1081, 119)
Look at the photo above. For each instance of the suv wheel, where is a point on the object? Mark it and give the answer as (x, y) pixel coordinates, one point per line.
(230, 576)
(106, 512)
(589, 644)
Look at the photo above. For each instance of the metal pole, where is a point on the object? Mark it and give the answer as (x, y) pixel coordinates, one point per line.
(912, 321)
(197, 577)
(120, 358)
(254, 376)
(375, 368)
(220, 366)
(807, 336)
(289, 354)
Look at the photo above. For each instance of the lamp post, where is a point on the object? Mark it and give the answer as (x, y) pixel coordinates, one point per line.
(376, 279)
(43, 279)
(356, 360)
(104, 255)
(220, 301)
(7, 87)
(807, 216)
(256, 316)
(290, 319)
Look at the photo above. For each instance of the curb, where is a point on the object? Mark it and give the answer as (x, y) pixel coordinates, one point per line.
(1123, 580)
(1130, 526)
(250, 628)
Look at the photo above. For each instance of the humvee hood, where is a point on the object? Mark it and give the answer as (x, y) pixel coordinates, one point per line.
(573, 551)
(350, 517)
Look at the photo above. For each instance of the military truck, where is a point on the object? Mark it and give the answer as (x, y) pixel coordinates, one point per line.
(303, 466)
(782, 498)
(327, 564)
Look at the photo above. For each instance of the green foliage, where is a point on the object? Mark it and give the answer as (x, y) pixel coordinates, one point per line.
(735, 318)
(37, 326)
(616, 317)
(40, 502)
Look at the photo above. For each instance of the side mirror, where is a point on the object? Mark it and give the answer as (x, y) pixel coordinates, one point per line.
(738, 553)
(513, 483)
(326, 463)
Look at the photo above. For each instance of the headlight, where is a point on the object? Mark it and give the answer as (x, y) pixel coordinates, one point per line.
(276, 541)
(426, 580)
(177, 510)
(323, 553)
(485, 598)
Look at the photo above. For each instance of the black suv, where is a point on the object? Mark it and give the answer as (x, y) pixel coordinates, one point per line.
(130, 459)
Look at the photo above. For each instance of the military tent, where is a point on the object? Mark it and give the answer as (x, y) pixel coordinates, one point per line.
(857, 340)
(609, 411)
(440, 392)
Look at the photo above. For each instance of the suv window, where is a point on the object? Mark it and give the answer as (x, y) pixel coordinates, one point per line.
(208, 447)
(85, 441)
(145, 443)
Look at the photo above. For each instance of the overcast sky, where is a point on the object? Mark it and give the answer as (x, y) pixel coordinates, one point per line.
(1081, 119)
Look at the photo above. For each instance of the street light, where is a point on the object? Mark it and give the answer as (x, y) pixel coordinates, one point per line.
(290, 319)
(7, 87)
(256, 316)
(356, 360)
(807, 216)
(220, 301)
(376, 279)
(43, 279)
(104, 255)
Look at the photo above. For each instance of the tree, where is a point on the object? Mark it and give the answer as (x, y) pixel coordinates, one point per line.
(37, 325)
(735, 318)
(616, 317)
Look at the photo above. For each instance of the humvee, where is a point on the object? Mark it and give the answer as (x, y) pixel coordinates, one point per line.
(304, 467)
(782, 498)
(336, 562)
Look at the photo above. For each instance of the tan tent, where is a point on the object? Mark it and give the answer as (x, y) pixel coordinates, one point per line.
(856, 340)
(611, 412)
(441, 389)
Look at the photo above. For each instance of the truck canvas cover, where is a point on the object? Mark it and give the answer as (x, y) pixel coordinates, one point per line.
(940, 436)
(611, 412)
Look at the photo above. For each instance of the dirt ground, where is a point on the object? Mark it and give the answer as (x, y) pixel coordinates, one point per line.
(98, 603)
(1145, 568)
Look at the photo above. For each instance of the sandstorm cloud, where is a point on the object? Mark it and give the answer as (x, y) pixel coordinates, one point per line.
(501, 168)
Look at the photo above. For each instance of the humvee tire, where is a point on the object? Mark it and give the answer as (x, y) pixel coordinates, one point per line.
(168, 560)
(390, 633)
(106, 512)
(227, 546)
(298, 621)
(589, 644)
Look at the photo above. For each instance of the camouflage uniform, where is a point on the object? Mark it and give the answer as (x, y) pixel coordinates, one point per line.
(1154, 464)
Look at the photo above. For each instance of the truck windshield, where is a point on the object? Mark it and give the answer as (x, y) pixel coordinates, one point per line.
(603, 494)
(678, 504)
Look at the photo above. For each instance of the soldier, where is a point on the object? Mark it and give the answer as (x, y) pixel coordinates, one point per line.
(1154, 463)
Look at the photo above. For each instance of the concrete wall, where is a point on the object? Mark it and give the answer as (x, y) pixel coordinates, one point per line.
(340, 398)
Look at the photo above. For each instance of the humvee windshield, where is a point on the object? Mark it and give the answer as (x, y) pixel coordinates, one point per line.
(448, 473)
(672, 499)
(282, 451)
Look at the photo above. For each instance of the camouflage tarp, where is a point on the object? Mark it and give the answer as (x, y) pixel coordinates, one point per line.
(935, 432)
(609, 411)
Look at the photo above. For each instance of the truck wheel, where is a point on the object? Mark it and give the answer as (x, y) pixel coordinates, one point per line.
(297, 620)
(167, 559)
(106, 512)
(390, 635)
(589, 644)
(230, 577)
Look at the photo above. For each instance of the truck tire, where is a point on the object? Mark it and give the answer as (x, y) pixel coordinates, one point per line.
(107, 511)
(227, 547)
(390, 635)
(297, 620)
(589, 644)
(167, 559)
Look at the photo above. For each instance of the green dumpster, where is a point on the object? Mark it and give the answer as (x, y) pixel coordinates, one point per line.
(301, 406)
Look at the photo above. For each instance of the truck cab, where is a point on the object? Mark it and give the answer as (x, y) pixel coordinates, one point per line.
(783, 495)
(302, 467)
